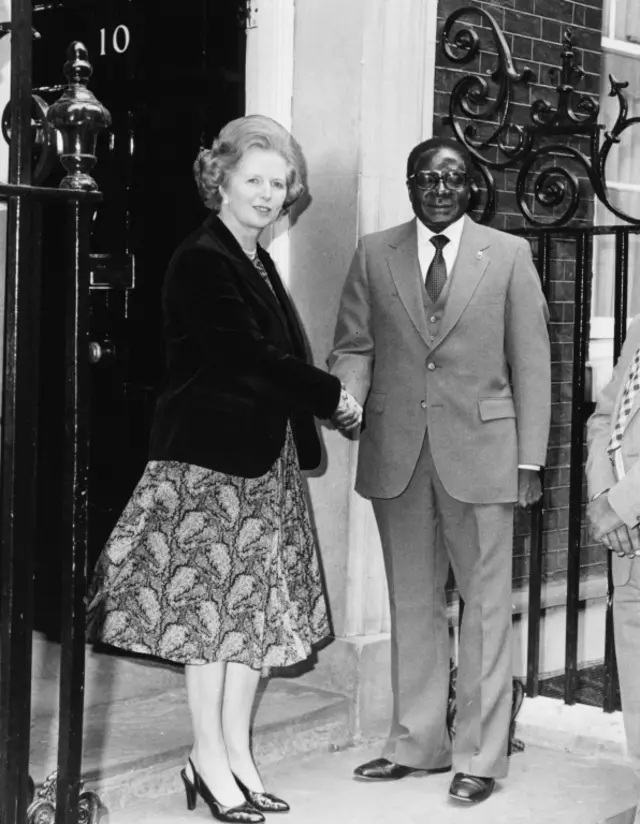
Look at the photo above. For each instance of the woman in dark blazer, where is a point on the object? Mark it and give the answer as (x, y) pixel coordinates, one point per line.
(213, 563)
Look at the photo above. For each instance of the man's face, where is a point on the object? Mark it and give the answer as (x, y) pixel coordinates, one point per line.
(439, 205)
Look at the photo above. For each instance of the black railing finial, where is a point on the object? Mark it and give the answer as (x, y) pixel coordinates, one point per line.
(565, 117)
(78, 116)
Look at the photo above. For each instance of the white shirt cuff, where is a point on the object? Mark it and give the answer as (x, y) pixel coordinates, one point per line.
(529, 466)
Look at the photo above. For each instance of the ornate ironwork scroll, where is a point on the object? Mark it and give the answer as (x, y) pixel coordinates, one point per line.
(43, 138)
(482, 120)
(42, 809)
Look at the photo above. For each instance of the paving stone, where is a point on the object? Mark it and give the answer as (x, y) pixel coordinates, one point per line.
(544, 787)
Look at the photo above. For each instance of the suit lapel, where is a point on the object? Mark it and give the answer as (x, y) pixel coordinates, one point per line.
(283, 305)
(635, 407)
(278, 303)
(405, 271)
(468, 270)
(259, 284)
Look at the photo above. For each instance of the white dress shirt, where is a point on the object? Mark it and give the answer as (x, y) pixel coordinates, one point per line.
(426, 252)
(426, 249)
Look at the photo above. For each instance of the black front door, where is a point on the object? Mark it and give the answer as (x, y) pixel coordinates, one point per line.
(170, 78)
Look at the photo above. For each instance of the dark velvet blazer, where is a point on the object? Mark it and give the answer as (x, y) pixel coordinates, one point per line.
(237, 367)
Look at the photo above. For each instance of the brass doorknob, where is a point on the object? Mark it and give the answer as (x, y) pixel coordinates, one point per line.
(104, 351)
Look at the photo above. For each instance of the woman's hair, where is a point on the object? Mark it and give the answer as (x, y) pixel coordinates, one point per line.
(213, 166)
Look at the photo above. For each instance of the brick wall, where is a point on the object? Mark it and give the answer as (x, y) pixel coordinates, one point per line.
(534, 31)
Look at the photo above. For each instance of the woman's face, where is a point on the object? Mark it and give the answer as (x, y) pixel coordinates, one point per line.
(255, 191)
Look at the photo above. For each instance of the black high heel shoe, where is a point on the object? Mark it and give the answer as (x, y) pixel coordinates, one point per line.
(265, 802)
(241, 814)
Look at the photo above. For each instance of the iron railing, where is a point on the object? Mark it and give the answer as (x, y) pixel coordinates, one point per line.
(544, 240)
(61, 795)
(559, 158)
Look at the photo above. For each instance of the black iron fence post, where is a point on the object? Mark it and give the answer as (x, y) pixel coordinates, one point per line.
(535, 604)
(78, 117)
(584, 253)
(74, 532)
(536, 547)
(19, 441)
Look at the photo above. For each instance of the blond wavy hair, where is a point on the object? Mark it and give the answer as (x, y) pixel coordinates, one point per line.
(212, 167)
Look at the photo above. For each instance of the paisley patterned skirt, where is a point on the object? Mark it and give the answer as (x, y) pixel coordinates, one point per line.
(206, 567)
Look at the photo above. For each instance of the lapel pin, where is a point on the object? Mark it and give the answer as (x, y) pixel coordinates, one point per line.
(479, 255)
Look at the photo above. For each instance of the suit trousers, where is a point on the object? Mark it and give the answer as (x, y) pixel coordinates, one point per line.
(626, 625)
(422, 531)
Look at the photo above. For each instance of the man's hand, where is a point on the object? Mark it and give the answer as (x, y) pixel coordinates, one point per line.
(602, 518)
(607, 528)
(348, 414)
(529, 487)
(623, 541)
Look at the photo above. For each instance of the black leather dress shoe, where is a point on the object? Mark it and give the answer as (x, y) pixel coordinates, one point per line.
(381, 769)
(472, 789)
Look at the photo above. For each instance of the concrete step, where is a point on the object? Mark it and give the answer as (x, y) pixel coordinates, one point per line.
(543, 787)
(627, 817)
(109, 676)
(137, 734)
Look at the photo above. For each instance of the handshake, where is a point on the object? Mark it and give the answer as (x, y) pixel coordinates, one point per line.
(348, 414)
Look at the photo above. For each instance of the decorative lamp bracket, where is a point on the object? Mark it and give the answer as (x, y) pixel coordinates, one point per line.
(482, 120)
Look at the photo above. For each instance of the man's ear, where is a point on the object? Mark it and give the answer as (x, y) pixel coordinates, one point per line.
(474, 196)
(411, 190)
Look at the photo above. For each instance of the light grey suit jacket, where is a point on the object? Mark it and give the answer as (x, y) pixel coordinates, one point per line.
(482, 386)
(624, 492)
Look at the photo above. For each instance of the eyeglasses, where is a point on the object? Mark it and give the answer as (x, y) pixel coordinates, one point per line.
(454, 181)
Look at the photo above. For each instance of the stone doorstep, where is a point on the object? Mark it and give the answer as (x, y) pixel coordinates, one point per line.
(134, 747)
(109, 676)
(549, 722)
(627, 817)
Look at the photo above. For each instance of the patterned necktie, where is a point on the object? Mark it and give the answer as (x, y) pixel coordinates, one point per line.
(437, 271)
(631, 387)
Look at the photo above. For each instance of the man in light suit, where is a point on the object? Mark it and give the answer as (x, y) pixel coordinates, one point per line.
(442, 335)
(613, 480)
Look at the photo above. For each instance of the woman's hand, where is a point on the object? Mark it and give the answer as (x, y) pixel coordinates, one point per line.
(348, 414)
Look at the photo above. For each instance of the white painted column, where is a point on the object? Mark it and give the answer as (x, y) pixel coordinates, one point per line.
(366, 70)
(399, 52)
(269, 90)
(399, 47)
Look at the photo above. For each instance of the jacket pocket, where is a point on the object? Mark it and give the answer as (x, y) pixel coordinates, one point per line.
(375, 402)
(492, 409)
(621, 570)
